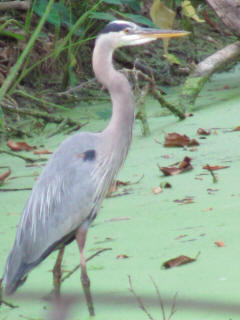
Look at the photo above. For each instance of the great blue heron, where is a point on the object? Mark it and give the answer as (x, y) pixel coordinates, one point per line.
(70, 190)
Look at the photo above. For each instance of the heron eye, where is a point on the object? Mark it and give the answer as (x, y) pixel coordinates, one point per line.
(127, 30)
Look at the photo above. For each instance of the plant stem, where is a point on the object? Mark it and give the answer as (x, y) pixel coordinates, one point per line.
(14, 70)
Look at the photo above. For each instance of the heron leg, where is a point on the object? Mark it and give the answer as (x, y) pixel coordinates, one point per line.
(81, 238)
(57, 273)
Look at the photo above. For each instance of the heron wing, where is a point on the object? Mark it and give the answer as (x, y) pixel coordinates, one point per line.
(61, 199)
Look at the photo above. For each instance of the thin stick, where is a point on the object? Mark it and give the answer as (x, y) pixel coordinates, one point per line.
(212, 173)
(173, 308)
(139, 300)
(27, 159)
(14, 189)
(159, 298)
(78, 266)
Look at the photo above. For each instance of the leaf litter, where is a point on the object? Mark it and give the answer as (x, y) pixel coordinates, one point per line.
(203, 132)
(179, 261)
(4, 176)
(183, 166)
(177, 140)
(19, 146)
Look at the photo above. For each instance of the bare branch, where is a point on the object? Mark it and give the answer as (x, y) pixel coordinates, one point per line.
(78, 266)
(139, 300)
(229, 12)
(173, 308)
(159, 298)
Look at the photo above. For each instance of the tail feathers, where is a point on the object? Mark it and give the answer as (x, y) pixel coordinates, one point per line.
(15, 273)
(11, 287)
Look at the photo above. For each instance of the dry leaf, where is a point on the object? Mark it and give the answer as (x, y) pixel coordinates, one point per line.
(42, 151)
(219, 243)
(225, 87)
(163, 17)
(203, 132)
(183, 166)
(177, 140)
(175, 262)
(157, 190)
(237, 128)
(4, 175)
(19, 146)
(212, 168)
(122, 256)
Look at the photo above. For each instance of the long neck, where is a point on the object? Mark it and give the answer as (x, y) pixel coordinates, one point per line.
(121, 123)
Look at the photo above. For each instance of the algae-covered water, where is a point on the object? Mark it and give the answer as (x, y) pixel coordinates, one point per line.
(151, 228)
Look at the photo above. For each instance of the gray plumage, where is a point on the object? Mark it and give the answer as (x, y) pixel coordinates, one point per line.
(72, 186)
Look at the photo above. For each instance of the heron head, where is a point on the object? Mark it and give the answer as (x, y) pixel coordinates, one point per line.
(125, 33)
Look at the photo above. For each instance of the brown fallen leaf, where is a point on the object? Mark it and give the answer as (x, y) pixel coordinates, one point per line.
(212, 168)
(19, 146)
(183, 166)
(219, 243)
(122, 256)
(177, 140)
(4, 175)
(176, 262)
(203, 132)
(237, 128)
(157, 190)
(42, 151)
(186, 200)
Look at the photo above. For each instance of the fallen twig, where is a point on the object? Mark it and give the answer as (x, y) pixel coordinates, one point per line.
(14, 189)
(139, 300)
(78, 266)
(27, 159)
(212, 173)
(173, 307)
